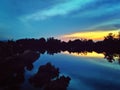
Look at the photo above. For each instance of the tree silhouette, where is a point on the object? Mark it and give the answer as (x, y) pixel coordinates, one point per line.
(110, 36)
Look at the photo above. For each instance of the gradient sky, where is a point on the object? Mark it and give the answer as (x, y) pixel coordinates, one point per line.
(46, 18)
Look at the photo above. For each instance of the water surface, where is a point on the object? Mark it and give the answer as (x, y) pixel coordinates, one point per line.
(87, 71)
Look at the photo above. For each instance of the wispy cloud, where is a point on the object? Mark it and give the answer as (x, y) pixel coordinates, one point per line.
(59, 9)
(106, 9)
(112, 24)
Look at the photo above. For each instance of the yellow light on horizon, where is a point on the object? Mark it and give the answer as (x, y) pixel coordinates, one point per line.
(96, 35)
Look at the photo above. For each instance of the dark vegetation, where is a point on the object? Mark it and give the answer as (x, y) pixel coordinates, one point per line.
(12, 73)
(48, 78)
(17, 55)
(12, 69)
(110, 46)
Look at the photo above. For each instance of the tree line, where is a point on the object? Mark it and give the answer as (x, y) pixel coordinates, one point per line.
(110, 43)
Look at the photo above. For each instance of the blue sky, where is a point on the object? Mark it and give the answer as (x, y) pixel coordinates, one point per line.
(46, 18)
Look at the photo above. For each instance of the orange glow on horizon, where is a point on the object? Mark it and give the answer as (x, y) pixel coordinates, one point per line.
(96, 35)
(87, 54)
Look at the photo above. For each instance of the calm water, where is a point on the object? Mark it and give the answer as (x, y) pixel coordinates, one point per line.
(87, 72)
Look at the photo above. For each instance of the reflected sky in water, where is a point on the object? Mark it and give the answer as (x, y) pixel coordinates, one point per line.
(97, 58)
(86, 72)
(85, 54)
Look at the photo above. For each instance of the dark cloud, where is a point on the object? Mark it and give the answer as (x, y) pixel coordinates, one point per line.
(108, 27)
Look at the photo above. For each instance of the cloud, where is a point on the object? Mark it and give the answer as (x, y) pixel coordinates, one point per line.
(106, 25)
(109, 27)
(105, 9)
(59, 9)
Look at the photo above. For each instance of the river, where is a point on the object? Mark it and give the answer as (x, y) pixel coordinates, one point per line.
(88, 71)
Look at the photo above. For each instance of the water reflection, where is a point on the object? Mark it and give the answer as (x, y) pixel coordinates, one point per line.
(12, 73)
(12, 69)
(86, 54)
(110, 57)
(16, 58)
(48, 78)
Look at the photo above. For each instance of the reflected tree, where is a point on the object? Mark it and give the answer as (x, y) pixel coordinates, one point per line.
(12, 69)
(48, 78)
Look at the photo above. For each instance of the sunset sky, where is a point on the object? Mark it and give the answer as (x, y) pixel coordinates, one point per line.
(94, 35)
(64, 19)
